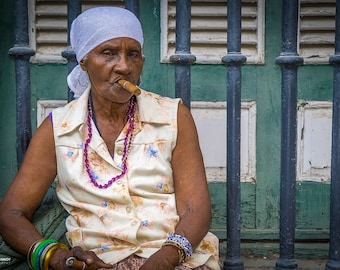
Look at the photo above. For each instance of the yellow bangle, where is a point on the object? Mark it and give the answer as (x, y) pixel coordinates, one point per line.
(51, 251)
(43, 254)
(181, 252)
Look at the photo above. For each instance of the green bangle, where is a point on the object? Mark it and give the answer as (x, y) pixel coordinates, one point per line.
(35, 259)
(30, 252)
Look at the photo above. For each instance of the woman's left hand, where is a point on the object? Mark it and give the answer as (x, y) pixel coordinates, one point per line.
(165, 259)
(81, 259)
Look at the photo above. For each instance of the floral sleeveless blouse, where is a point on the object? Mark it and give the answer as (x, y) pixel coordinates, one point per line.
(136, 213)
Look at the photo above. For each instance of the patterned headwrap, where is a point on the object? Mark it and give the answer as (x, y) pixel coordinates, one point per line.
(93, 27)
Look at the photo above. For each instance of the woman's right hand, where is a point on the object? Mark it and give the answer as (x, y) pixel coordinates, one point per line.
(88, 260)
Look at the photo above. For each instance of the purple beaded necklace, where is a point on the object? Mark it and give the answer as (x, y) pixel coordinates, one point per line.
(127, 144)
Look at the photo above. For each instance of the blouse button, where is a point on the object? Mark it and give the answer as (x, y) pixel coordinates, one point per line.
(119, 152)
(128, 209)
(119, 182)
(134, 223)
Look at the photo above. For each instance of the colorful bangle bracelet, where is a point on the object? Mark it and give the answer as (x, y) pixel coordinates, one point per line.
(49, 254)
(30, 252)
(34, 254)
(183, 242)
(181, 252)
(44, 252)
(40, 251)
(35, 257)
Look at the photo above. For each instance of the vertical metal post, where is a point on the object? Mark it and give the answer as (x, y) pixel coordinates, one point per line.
(233, 60)
(289, 61)
(182, 57)
(73, 10)
(333, 262)
(21, 52)
(133, 6)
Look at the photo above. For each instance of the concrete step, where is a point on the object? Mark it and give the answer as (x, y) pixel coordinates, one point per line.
(264, 255)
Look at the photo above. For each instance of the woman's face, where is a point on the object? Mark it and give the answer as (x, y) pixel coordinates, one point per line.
(118, 58)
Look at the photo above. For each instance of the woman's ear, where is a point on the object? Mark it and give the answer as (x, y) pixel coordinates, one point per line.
(82, 64)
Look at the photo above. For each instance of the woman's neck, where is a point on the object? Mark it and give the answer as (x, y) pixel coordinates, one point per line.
(108, 111)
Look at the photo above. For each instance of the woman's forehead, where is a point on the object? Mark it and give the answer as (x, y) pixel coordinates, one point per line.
(120, 41)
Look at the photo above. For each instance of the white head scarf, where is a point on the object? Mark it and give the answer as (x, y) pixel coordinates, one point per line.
(93, 27)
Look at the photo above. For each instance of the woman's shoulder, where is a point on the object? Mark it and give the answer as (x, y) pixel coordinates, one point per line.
(157, 108)
(147, 96)
(70, 116)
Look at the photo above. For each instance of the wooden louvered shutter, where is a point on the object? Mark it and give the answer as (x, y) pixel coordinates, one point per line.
(48, 26)
(317, 30)
(209, 30)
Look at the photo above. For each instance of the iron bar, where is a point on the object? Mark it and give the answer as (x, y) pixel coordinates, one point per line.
(289, 61)
(73, 10)
(133, 6)
(21, 52)
(182, 57)
(233, 60)
(333, 262)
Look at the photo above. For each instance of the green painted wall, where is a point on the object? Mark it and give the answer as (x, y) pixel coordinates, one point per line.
(260, 201)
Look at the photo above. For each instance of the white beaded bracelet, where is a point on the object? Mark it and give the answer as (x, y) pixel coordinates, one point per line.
(181, 241)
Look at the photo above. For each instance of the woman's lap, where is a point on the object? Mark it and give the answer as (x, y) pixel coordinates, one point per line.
(134, 262)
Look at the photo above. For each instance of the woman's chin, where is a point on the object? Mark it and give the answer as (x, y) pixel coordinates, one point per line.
(120, 96)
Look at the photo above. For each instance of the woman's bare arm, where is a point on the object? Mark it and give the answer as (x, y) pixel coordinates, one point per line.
(27, 190)
(191, 189)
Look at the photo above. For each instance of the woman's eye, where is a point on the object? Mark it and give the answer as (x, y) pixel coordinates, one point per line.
(134, 54)
(108, 53)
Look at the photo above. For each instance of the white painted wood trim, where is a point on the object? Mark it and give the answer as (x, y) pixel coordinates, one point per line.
(314, 136)
(44, 107)
(210, 119)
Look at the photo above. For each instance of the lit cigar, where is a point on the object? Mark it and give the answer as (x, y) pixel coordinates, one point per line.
(130, 87)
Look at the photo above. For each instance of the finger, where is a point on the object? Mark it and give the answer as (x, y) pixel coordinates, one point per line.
(80, 265)
(81, 255)
(75, 264)
(92, 258)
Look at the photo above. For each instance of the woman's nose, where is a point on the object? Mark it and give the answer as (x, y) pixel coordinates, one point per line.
(122, 65)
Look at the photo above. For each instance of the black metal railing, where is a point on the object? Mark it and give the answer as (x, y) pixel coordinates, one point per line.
(21, 52)
(233, 60)
(333, 262)
(182, 59)
(73, 10)
(133, 6)
(289, 62)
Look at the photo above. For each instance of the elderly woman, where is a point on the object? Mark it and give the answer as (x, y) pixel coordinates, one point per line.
(128, 166)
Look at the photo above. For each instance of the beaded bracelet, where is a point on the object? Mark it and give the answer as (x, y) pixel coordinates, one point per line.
(182, 242)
